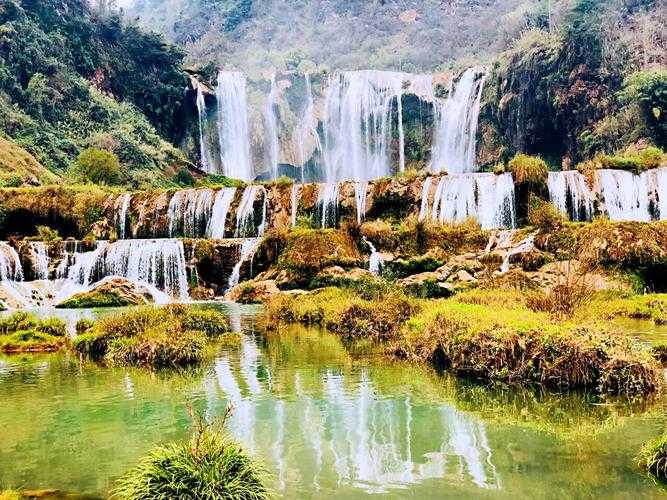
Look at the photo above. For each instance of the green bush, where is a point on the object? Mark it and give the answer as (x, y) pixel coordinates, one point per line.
(45, 233)
(653, 457)
(544, 215)
(528, 169)
(209, 466)
(23, 332)
(99, 166)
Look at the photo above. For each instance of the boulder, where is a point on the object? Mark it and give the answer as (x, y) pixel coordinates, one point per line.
(114, 292)
(252, 292)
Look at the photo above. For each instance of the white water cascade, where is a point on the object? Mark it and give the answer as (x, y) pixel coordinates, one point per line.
(294, 203)
(218, 219)
(233, 129)
(488, 198)
(375, 261)
(157, 264)
(306, 131)
(454, 142)
(569, 191)
(627, 196)
(327, 204)
(271, 123)
(358, 122)
(426, 188)
(40, 260)
(248, 248)
(204, 148)
(122, 205)
(10, 264)
(189, 212)
(360, 196)
(245, 213)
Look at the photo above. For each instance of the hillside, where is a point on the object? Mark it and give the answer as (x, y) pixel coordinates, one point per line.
(71, 79)
(18, 167)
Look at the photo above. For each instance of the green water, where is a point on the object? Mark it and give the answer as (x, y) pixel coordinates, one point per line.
(327, 424)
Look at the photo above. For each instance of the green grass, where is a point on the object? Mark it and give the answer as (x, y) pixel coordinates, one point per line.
(653, 457)
(209, 466)
(23, 332)
(97, 299)
(153, 336)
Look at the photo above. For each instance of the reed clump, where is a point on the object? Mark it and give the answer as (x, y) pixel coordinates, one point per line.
(652, 458)
(23, 332)
(176, 335)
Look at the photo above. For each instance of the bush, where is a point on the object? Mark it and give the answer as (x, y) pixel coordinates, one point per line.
(544, 215)
(99, 166)
(528, 170)
(45, 233)
(209, 466)
(653, 457)
(23, 332)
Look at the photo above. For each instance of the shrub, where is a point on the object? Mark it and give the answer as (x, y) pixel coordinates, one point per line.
(209, 466)
(99, 167)
(45, 233)
(544, 215)
(184, 178)
(22, 332)
(653, 457)
(651, 157)
(571, 291)
(528, 169)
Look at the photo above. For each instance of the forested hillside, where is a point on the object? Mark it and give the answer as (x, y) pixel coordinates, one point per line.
(72, 78)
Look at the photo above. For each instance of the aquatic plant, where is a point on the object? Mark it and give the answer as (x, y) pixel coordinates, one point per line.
(23, 332)
(153, 336)
(209, 466)
(653, 457)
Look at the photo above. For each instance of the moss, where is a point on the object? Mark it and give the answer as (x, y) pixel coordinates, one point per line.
(544, 215)
(97, 299)
(653, 457)
(210, 465)
(168, 336)
(528, 170)
(428, 262)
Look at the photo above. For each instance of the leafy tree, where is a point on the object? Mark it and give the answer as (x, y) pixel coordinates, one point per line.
(99, 166)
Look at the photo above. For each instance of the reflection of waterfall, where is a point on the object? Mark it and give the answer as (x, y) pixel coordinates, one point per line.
(216, 224)
(454, 144)
(327, 204)
(570, 193)
(271, 136)
(233, 131)
(489, 198)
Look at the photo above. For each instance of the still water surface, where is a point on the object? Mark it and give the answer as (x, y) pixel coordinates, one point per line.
(328, 424)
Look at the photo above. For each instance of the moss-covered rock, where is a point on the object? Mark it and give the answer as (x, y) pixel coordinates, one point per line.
(22, 332)
(115, 292)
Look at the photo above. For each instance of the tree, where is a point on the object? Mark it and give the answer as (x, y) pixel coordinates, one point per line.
(99, 167)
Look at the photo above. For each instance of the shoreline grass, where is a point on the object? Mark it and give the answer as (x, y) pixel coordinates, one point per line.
(23, 332)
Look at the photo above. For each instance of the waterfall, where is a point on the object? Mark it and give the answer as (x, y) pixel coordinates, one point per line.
(271, 135)
(657, 182)
(10, 264)
(307, 128)
(294, 202)
(423, 209)
(156, 264)
(489, 198)
(40, 260)
(189, 212)
(360, 194)
(245, 213)
(204, 148)
(327, 203)
(233, 132)
(569, 191)
(625, 195)
(454, 143)
(375, 260)
(218, 219)
(121, 206)
(248, 248)
(358, 124)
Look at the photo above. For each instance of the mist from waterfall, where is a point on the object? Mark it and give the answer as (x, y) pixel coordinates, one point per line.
(233, 128)
(272, 145)
(455, 138)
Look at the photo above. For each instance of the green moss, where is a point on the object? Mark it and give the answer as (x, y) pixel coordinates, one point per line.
(653, 457)
(97, 299)
(208, 466)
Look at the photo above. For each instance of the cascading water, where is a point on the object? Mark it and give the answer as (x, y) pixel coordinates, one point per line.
(488, 198)
(271, 135)
(360, 195)
(190, 212)
(204, 148)
(569, 191)
(627, 196)
(216, 224)
(233, 131)
(306, 131)
(10, 264)
(122, 206)
(40, 259)
(375, 260)
(357, 124)
(245, 213)
(454, 143)
(423, 209)
(248, 248)
(327, 204)
(294, 202)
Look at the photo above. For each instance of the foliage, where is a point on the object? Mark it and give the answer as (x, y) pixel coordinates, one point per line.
(157, 336)
(99, 166)
(649, 90)
(528, 170)
(18, 167)
(209, 466)
(653, 457)
(23, 332)
(97, 298)
(544, 215)
(45, 233)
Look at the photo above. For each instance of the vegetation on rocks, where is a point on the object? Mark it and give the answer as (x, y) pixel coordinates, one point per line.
(110, 293)
(528, 170)
(18, 167)
(653, 457)
(159, 337)
(23, 332)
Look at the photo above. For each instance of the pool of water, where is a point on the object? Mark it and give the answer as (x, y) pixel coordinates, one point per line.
(325, 422)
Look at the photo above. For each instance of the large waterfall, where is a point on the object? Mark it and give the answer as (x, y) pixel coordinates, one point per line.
(271, 134)
(455, 139)
(307, 138)
(488, 198)
(218, 220)
(617, 194)
(233, 131)
(204, 147)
